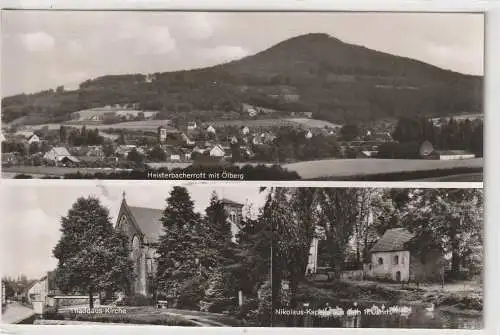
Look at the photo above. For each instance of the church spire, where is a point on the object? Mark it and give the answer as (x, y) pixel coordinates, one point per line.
(123, 195)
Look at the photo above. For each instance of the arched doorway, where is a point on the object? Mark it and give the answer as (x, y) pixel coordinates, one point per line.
(398, 276)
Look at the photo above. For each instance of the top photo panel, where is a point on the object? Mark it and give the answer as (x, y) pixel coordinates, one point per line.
(340, 96)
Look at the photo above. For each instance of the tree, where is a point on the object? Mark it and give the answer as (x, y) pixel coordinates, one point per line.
(178, 249)
(135, 156)
(293, 216)
(157, 154)
(218, 253)
(121, 139)
(63, 134)
(107, 149)
(349, 132)
(450, 218)
(339, 212)
(92, 256)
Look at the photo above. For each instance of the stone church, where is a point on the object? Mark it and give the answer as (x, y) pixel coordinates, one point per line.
(143, 228)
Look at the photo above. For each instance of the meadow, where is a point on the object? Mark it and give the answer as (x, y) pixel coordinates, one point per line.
(358, 167)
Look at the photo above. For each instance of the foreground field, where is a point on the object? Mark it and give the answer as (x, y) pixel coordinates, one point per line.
(360, 167)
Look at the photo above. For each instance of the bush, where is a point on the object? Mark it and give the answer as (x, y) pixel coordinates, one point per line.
(191, 293)
(136, 300)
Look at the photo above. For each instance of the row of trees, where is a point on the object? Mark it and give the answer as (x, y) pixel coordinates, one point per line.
(450, 219)
(199, 263)
(451, 135)
(80, 137)
(16, 287)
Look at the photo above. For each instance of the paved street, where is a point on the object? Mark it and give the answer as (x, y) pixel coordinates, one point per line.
(16, 312)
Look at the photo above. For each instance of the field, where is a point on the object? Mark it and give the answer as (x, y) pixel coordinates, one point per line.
(284, 122)
(359, 167)
(131, 125)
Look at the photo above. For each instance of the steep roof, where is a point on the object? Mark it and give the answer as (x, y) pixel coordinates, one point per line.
(61, 151)
(148, 220)
(226, 201)
(393, 240)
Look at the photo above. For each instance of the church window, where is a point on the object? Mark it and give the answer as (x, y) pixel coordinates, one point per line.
(380, 261)
(396, 260)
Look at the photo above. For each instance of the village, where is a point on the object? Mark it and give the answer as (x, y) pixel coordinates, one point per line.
(126, 138)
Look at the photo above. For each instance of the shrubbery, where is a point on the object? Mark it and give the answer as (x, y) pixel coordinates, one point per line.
(136, 300)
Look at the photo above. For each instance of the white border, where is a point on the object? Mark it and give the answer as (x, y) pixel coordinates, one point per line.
(492, 264)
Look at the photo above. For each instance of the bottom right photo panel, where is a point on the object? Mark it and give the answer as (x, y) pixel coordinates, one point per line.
(377, 257)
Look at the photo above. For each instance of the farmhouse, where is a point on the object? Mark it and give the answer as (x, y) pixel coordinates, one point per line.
(33, 139)
(60, 155)
(245, 130)
(211, 129)
(397, 257)
(191, 125)
(217, 151)
(143, 229)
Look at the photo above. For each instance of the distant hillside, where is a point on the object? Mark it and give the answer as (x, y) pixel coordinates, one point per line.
(316, 73)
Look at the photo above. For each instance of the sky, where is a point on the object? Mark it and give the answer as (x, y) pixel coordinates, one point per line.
(31, 216)
(44, 49)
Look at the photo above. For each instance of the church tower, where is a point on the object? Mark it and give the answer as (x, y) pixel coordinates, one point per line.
(234, 211)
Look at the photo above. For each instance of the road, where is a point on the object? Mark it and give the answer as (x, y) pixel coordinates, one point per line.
(16, 312)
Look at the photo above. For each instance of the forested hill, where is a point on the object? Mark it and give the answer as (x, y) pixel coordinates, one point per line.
(316, 73)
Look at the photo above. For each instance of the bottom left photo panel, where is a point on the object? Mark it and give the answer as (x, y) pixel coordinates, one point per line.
(155, 254)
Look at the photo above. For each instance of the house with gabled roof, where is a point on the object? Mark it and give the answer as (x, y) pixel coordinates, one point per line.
(401, 257)
(143, 228)
(60, 155)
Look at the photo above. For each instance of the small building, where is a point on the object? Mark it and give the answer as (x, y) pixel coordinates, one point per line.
(367, 154)
(187, 140)
(60, 155)
(192, 125)
(308, 135)
(175, 157)
(211, 129)
(9, 157)
(396, 257)
(162, 134)
(33, 139)
(217, 151)
(245, 130)
(234, 211)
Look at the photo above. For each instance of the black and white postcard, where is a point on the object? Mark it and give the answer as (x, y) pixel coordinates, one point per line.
(97, 253)
(342, 96)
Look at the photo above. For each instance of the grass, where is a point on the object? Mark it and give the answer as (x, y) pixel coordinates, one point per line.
(340, 168)
(281, 122)
(154, 124)
(153, 316)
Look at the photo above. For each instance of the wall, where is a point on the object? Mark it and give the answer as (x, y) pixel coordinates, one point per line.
(387, 270)
(426, 269)
(352, 275)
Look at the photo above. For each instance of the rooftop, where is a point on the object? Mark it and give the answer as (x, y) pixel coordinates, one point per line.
(393, 240)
